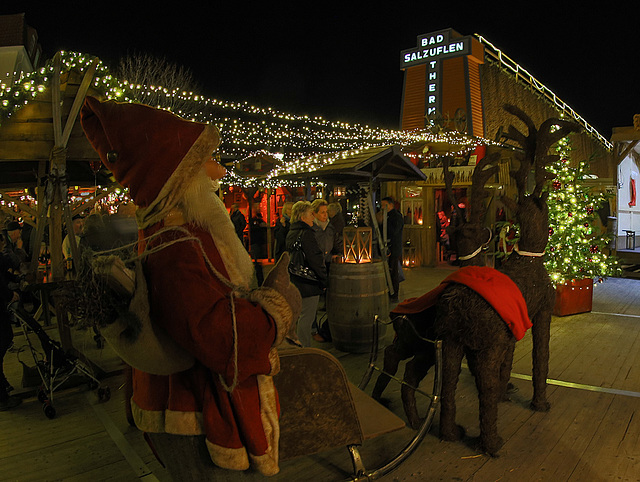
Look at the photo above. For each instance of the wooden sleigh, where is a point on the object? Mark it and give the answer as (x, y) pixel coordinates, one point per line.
(321, 409)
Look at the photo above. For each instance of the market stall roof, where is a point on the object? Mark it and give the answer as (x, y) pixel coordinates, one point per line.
(27, 139)
(386, 163)
(622, 134)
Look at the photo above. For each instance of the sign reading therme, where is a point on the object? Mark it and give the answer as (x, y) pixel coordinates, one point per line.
(432, 48)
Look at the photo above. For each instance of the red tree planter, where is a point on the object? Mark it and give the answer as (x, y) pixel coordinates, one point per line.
(574, 297)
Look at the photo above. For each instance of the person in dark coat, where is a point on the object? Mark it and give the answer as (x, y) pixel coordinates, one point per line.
(325, 233)
(281, 230)
(258, 238)
(395, 226)
(13, 245)
(336, 219)
(238, 220)
(301, 227)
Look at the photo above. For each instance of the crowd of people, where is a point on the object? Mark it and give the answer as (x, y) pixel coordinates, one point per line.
(96, 232)
(316, 229)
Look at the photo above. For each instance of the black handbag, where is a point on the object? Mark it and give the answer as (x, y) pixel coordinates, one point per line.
(298, 262)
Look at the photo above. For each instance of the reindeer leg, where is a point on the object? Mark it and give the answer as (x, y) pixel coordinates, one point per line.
(414, 372)
(392, 358)
(505, 371)
(541, 332)
(452, 353)
(488, 371)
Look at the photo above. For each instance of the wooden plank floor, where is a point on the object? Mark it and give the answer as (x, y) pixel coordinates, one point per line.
(592, 432)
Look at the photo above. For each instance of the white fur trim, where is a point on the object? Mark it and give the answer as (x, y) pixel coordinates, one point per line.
(201, 205)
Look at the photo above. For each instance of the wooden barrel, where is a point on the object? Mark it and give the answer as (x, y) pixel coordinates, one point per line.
(355, 294)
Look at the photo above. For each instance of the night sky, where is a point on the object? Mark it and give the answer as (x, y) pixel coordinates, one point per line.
(341, 61)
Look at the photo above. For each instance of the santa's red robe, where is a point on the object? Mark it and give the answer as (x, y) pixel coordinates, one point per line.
(194, 307)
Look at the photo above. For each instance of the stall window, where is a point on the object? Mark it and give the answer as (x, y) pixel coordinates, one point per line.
(412, 205)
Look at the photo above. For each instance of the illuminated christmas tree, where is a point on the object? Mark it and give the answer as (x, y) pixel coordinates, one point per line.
(576, 248)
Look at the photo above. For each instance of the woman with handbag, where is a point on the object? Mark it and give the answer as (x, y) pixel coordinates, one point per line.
(307, 268)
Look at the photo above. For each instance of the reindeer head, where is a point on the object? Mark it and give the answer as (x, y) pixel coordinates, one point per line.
(468, 237)
(531, 210)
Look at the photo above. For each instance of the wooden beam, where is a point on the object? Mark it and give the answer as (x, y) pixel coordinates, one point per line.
(625, 152)
(23, 207)
(55, 100)
(78, 101)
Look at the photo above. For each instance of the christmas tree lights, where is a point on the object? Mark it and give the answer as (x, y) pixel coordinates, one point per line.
(576, 248)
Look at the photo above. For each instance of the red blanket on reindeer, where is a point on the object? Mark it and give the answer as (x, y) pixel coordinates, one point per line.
(495, 287)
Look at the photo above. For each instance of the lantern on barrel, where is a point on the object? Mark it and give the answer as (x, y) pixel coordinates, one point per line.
(357, 244)
(356, 293)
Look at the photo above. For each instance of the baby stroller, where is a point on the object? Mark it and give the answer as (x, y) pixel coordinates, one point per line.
(54, 366)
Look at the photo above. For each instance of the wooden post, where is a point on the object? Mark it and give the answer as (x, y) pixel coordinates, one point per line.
(381, 243)
(57, 189)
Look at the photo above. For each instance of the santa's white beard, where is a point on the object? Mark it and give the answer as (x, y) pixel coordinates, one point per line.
(202, 206)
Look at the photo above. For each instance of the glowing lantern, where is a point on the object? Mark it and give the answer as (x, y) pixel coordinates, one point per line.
(356, 245)
(409, 256)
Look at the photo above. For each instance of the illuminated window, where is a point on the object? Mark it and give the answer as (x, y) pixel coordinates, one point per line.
(412, 205)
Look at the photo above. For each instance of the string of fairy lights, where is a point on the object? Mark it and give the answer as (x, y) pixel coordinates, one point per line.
(577, 248)
(300, 143)
(303, 144)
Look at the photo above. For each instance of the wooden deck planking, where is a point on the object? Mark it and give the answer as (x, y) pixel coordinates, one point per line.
(605, 458)
(617, 295)
(69, 458)
(586, 436)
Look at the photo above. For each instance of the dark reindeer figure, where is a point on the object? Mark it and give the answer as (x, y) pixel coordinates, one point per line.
(469, 325)
(467, 239)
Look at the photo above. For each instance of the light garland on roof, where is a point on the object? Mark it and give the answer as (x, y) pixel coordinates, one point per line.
(304, 143)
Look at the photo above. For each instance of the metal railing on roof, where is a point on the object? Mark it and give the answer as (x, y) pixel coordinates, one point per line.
(523, 75)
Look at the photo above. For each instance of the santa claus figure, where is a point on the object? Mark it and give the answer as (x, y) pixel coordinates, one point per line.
(222, 403)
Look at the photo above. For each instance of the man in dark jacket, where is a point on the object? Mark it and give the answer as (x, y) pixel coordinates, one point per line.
(281, 229)
(395, 225)
(238, 220)
(13, 248)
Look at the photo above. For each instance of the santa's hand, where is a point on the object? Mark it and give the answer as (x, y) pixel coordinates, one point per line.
(278, 297)
(278, 279)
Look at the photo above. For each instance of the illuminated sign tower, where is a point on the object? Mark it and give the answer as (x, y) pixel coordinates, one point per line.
(442, 78)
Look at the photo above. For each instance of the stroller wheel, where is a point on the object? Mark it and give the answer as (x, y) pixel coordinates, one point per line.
(49, 410)
(42, 395)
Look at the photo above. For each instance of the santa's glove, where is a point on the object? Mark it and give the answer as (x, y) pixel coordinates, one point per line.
(281, 299)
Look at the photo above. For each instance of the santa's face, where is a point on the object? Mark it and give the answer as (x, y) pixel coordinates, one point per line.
(214, 170)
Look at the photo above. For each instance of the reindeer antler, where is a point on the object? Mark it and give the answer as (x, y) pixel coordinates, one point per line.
(550, 132)
(528, 145)
(485, 169)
